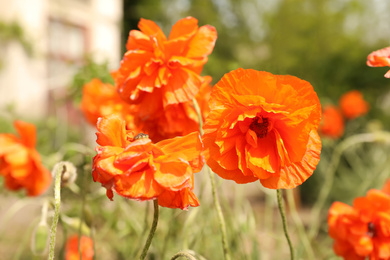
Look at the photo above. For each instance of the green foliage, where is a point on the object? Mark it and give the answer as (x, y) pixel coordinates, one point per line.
(85, 74)
(10, 31)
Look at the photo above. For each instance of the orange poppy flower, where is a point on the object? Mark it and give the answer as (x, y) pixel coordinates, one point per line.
(263, 127)
(20, 163)
(101, 99)
(353, 105)
(332, 124)
(363, 230)
(380, 58)
(177, 119)
(136, 168)
(158, 70)
(72, 248)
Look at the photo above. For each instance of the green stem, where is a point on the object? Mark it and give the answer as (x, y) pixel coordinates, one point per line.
(298, 223)
(199, 113)
(83, 194)
(283, 215)
(331, 170)
(152, 230)
(60, 169)
(217, 205)
(183, 254)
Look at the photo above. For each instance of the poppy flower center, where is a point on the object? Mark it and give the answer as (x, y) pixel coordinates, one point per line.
(371, 230)
(259, 125)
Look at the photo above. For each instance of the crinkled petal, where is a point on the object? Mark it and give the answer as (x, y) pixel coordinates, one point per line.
(296, 173)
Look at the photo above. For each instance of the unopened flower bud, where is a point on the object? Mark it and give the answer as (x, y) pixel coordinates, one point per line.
(68, 173)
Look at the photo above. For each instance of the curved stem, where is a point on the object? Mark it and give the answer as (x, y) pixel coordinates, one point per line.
(283, 215)
(217, 205)
(331, 170)
(183, 254)
(60, 169)
(152, 230)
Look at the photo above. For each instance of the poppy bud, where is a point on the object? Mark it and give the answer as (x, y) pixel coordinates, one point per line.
(68, 173)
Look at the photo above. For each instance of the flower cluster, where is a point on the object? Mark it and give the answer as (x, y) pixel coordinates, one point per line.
(351, 106)
(20, 163)
(136, 168)
(157, 81)
(362, 230)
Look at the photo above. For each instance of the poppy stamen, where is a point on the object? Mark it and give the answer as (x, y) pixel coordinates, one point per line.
(259, 125)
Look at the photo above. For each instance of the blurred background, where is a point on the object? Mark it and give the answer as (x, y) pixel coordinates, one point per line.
(50, 48)
(44, 43)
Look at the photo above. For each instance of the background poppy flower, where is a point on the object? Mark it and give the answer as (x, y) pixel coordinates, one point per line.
(158, 70)
(332, 124)
(20, 163)
(363, 230)
(263, 127)
(72, 248)
(353, 105)
(136, 168)
(176, 119)
(380, 58)
(101, 99)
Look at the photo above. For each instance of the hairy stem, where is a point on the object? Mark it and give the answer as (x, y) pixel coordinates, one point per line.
(60, 169)
(152, 230)
(283, 215)
(183, 254)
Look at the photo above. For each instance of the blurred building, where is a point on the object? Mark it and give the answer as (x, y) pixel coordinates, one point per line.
(60, 33)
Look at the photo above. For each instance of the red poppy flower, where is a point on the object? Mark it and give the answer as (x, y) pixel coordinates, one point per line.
(363, 230)
(158, 70)
(380, 58)
(136, 168)
(20, 163)
(353, 105)
(263, 127)
(72, 248)
(332, 124)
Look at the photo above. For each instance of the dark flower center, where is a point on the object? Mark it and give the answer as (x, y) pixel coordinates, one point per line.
(259, 125)
(371, 229)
